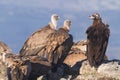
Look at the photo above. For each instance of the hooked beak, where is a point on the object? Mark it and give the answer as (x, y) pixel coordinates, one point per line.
(91, 17)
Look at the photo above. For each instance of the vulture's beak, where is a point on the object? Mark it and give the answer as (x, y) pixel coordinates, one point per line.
(91, 17)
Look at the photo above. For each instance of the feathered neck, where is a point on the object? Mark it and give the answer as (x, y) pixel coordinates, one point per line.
(97, 22)
(53, 23)
(52, 26)
(67, 25)
(66, 28)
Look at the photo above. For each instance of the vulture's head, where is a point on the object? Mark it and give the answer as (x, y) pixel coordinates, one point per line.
(67, 24)
(95, 16)
(54, 19)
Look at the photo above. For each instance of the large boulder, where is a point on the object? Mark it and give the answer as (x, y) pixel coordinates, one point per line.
(76, 54)
(110, 68)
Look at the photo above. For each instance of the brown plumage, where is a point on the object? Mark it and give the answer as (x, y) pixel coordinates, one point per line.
(97, 36)
(59, 44)
(38, 38)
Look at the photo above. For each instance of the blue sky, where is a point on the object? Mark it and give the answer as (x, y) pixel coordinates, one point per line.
(20, 18)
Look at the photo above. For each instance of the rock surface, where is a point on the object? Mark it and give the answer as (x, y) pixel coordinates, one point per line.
(75, 67)
(3, 72)
(109, 70)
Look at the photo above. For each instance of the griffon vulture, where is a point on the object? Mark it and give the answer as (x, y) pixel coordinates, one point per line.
(59, 44)
(97, 36)
(38, 38)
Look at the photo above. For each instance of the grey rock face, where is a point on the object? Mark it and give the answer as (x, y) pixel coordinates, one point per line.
(111, 69)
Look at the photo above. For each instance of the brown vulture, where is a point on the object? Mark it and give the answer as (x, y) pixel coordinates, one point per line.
(97, 36)
(38, 38)
(58, 45)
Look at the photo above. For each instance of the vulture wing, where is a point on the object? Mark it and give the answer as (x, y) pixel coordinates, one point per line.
(55, 40)
(35, 41)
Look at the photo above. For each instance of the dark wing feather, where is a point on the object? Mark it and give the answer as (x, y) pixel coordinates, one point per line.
(57, 38)
(104, 43)
(35, 41)
(64, 49)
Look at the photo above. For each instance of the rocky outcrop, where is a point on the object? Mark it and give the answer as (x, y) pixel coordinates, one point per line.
(110, 68)
(75, 67)
(3, 72)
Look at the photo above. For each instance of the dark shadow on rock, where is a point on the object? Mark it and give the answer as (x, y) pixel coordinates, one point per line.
(114, 60)
(38, 69)
(74, 71)
(8, 73)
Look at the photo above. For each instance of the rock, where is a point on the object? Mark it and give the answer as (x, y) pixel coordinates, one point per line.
(80, 45)
(94, 77)
(72, 59)
(15, 68)
(20, 70)
(3, 72)
(77, 60)
(110, 68)
(39, 70)
(86, 69)
(75, 67)
(76, 54)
